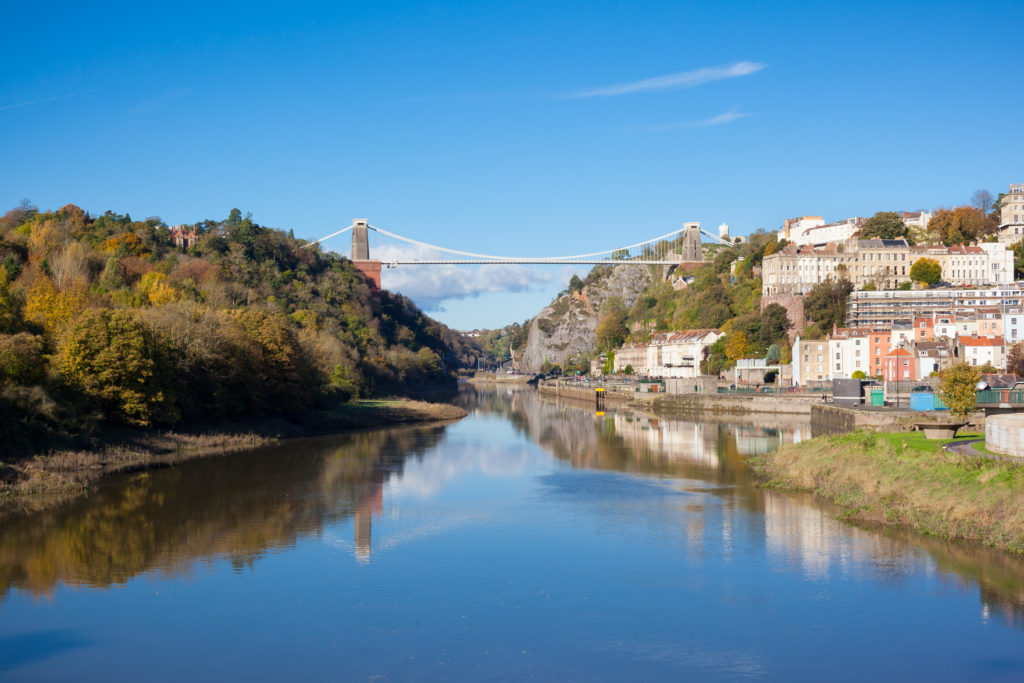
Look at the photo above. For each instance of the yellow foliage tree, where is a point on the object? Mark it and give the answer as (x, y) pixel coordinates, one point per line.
(736, 345)
(51, 309)
(157, 289)
(128, 242)
(43, 241)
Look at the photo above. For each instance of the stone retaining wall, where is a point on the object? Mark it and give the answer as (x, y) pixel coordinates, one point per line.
(1005, 434)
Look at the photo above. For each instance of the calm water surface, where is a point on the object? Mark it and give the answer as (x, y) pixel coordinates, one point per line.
(530, 540)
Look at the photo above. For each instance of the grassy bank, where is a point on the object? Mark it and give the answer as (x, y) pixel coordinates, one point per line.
(902, 479)
(47, 478)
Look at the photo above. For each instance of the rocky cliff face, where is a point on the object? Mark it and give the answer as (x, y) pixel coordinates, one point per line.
(566, 327)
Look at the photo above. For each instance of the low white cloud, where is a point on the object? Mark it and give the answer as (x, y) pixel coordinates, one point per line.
(682, 79)
(431, 285)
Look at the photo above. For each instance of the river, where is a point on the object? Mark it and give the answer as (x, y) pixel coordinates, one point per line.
(530, 540)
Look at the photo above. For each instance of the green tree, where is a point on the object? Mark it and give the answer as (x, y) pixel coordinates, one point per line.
(10, 304)
(926, 270)
(575, 284)
(21, 359)
(113, 276)
(113, 359)
(628, 369)
(825, 304)
(775, 324)
(858, 374)
(886, 225)
(609, 364)
(957, 389)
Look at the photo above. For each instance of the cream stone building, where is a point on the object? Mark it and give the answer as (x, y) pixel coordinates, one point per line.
(989, 263)
(1011, 221)
(633, 356)
(885, 264)
(795, 270)
(810, 361)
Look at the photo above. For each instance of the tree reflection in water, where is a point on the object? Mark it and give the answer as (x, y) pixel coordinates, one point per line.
(236, 507)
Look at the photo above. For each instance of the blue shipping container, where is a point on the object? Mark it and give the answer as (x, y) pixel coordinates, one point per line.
(926, 400)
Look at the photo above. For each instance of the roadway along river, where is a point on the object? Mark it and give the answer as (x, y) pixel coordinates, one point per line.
(530, 540)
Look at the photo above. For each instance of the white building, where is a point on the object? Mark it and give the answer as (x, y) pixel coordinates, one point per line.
(795, 228)
(918, 219)
(848, 353)
(839, 231)
(981, 350)
(678, 354)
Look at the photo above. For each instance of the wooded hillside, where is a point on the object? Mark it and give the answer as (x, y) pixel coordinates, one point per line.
(105, 319)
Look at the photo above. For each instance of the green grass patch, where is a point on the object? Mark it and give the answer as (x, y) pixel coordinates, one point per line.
(918, 442)
(903, 479)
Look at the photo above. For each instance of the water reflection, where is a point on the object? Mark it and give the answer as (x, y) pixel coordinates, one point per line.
(236, 507)
(369, 490)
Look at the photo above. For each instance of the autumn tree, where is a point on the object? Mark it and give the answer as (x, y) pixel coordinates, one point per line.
(53, 310)
(736, 345)
(1015, 359)
(117, 362)
(926, 270)
(886, 225)
(958, 389)
(962, 225)
(611, 330)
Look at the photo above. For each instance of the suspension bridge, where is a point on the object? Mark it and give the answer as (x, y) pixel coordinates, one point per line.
(391, 249)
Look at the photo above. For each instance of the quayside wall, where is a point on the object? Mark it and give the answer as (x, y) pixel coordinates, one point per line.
(829, 419)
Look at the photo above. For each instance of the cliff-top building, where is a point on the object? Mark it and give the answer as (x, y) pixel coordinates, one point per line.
(1011, 221)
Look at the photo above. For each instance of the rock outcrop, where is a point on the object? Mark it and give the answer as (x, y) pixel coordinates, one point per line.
(566, 327)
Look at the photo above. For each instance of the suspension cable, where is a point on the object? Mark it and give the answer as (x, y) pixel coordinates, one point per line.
(333, 234)
(513, 258)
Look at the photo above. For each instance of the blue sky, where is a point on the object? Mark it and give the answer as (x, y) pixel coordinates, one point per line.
(498, 127)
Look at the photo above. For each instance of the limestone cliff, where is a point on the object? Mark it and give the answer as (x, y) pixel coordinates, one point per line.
(566, 327)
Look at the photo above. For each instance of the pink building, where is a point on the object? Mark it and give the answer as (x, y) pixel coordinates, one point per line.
(900, 366)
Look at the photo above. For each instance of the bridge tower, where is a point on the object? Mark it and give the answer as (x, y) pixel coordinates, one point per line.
(361, 252)
(691, 249)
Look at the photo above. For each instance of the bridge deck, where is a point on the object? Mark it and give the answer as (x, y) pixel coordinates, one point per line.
(475, 262)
